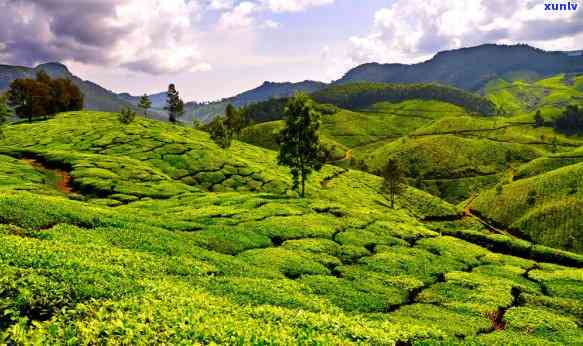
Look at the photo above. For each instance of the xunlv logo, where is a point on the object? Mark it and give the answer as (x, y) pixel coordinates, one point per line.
(561, 7)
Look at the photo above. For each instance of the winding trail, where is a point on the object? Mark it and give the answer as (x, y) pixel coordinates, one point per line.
(469, 213)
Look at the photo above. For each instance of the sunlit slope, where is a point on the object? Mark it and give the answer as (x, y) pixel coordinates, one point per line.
(549, 95)
(356, 130)
(186, 262)
(547, 207)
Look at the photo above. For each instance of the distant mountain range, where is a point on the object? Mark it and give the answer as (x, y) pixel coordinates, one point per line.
(466, 68)
(471, 68)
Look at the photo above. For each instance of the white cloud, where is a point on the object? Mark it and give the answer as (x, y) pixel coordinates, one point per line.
(239, 17)
(294, 5)
(413, 30)
(271, 24)
(221, 4)
(164, 38)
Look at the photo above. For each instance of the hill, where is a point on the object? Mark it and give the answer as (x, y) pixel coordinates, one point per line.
(96, 97)
(149, 232)
(452, 67)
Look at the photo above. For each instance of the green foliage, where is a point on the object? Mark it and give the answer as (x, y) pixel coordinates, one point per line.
(220, 133)
(571, 121)
(234, 120)
(299, 141)
(44, 96)
(127, 115)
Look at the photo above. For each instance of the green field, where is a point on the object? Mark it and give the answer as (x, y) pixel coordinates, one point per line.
(151, 233)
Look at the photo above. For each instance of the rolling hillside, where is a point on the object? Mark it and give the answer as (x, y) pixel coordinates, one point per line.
(150, 232)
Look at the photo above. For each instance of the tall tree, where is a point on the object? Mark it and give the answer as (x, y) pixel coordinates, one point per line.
(300, 140)
(394, 179)
(174, 104)
(145, 104)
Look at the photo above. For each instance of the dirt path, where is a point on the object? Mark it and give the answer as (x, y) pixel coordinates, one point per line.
(63, 181)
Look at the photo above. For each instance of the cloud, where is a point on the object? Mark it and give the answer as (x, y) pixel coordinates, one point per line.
(243, 15)
(294, 5)
(413, 30)
(152, 36)
(239, 17)
(221, 4)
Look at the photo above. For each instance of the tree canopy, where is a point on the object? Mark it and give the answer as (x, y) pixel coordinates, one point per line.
(43, 96)
(299, 141)
(571, 121)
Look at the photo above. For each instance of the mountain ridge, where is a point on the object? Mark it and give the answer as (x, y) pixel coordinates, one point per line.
(451, 67)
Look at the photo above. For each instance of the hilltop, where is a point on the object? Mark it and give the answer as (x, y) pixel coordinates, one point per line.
(150, 231)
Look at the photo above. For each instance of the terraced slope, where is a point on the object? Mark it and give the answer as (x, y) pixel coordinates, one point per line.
(216, 250)
(547, 206)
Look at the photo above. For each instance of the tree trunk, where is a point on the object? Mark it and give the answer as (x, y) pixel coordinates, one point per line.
(303, 185)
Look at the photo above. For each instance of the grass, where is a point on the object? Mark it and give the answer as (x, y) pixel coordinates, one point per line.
(168, 239)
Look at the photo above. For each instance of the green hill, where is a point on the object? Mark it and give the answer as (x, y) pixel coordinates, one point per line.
(150, 233)
(546, 207)
(550, 95)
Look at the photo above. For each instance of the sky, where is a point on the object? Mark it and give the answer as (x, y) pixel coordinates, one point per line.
(217, 48)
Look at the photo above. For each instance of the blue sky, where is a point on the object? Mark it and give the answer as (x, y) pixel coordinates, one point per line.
(216, 48)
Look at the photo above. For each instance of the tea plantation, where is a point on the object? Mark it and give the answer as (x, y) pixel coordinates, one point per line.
(149, 233)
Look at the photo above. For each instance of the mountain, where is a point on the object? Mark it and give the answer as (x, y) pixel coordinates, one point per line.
(471, 68)
(266, 91)
(96, 97)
